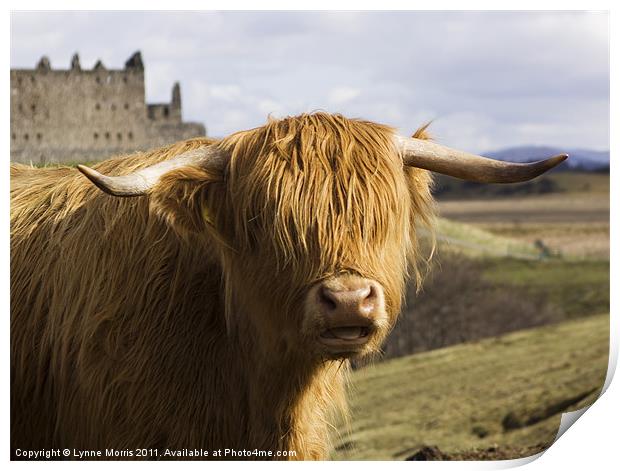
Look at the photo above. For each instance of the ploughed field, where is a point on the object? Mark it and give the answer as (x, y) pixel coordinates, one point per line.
(498, 398)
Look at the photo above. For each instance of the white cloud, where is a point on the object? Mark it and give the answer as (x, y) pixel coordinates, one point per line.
(340, 95)
(225, 92)
(489, 79)
(270, 107)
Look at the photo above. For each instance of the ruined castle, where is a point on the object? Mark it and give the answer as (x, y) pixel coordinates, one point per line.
(85, 115)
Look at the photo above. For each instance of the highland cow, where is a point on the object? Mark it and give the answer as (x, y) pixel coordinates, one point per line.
(213, 297)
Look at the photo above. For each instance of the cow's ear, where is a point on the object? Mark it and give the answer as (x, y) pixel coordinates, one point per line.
(180, 197)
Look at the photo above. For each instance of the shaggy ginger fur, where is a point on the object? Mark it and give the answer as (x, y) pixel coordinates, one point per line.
(176, 320)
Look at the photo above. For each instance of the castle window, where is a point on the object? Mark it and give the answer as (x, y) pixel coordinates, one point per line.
(130, 135)
(107, 135)
(97, 106)
(119, 136)
(32, 78)
(26, 136)
(39, 136)
(98, 79)
(19, 80)
(125, 79)
(113, 107)
(13, 136)
(33, 107)
(166, 111)
(20, 107)
(126, 106)
(96, 136)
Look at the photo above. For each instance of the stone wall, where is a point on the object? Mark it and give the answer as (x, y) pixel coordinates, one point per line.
(85, 115)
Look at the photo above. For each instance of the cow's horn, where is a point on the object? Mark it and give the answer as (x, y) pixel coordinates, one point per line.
(140, 181)
(455, 163)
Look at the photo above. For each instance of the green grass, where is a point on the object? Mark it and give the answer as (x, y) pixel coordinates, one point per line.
(579, 288)
(471, 240)
(577, 284)
(450, 397)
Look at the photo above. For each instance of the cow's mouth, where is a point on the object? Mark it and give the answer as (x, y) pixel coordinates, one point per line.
(345, 336)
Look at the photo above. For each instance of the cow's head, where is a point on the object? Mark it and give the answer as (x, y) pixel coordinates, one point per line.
(313, 222)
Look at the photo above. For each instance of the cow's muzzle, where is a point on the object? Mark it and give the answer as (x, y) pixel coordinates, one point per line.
(349, 311)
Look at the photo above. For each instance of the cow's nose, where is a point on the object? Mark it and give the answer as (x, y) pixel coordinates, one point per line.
(355, 302)
(358, 300)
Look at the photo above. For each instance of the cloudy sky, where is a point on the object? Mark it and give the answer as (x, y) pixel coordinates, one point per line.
(487, 79)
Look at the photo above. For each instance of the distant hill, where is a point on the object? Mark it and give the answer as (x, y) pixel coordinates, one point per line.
(582, 159)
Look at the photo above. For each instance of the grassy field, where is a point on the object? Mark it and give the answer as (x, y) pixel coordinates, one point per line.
(578, 287)
(573, 221)
(557, 207)
(577, 282)
(499, 397)
(576, 226)
(576, 239)
(475, 241)
(572, 224)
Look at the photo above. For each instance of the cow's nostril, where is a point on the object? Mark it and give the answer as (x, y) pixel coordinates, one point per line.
(326, 296)
(368, 298)
(367, 293)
